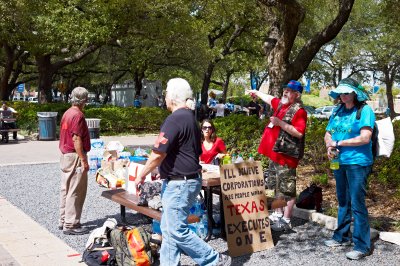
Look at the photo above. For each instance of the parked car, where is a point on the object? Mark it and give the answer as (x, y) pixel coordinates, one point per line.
(33, 100)
(324, 111)
(310, 110)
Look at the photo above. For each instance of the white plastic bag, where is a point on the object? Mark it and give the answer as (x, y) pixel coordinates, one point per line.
(385, 137)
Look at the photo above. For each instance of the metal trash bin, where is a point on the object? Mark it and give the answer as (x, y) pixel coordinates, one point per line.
(47, 125)
(94, 127)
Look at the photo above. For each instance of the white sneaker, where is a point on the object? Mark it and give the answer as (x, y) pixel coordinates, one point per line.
(281, 225)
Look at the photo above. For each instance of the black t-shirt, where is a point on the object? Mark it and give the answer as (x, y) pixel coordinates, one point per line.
(180, 138)
(254, 111)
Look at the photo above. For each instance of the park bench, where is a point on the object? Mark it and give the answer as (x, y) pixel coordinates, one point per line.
(130, 201)
(5, 131)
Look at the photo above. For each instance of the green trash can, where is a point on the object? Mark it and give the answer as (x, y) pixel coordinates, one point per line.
(47, 125)
(94, 127)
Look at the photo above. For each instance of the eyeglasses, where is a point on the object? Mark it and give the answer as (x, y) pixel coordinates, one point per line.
(205, 128)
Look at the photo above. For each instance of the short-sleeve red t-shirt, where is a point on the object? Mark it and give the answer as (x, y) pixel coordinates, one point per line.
(270, 135)
(73, 123)
(208, 155)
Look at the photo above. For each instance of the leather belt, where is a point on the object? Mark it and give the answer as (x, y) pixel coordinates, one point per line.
(183, 177)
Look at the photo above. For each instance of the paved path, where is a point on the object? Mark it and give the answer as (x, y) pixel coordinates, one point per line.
(22, 240)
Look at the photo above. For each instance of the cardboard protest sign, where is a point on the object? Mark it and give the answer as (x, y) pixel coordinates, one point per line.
(245, 208)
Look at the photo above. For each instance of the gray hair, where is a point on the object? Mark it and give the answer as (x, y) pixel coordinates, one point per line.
(179, 91)
(79, 95)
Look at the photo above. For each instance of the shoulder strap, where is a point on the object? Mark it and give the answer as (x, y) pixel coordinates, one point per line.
(360, 107)
(336, 111)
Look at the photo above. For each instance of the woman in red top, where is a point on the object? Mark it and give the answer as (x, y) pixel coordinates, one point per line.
(212, 146)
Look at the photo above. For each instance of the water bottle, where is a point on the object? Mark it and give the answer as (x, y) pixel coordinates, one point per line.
(202, 229)
(239, 159)
(251, 159)
(92, 164)
(227, 159)
(216, 231)
(334, 164)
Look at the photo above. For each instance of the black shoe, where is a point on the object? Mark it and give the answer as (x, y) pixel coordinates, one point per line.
(76, 231)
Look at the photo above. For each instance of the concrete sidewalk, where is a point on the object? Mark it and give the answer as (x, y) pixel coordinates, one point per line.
(22, 240)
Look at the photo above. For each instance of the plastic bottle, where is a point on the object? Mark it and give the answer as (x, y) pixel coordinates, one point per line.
(239, 159)
(202, 229)
(216, 231)
(233, 159)
(251, 159)
(227, 159)
(334, 164)
(92, 164)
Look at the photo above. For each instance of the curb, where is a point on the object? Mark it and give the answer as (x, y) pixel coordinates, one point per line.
(328, 222)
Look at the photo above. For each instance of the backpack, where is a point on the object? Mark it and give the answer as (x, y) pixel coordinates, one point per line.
(310, 198)
(98, 250)
(132, 246)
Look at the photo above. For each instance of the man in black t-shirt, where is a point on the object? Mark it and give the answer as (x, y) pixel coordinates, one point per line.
(177, 150)
(253, 106)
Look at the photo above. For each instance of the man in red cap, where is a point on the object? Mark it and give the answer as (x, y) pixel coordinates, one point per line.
(283, 143)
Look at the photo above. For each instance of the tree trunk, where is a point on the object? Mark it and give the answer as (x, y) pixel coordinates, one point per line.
(46, 72)
(285, 17)
(389, 80)
(138, 77)
(225, 85)
(8, 67)
(206, 83)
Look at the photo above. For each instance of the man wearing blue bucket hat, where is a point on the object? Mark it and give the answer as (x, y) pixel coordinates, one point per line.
(348, 134)
(283, 143)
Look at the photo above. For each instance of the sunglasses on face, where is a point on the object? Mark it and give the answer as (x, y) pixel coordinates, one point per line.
(205, 128)
(347, 93)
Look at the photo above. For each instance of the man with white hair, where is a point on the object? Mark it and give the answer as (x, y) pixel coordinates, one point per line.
(74, 145)
(283, 143)
(177, 150)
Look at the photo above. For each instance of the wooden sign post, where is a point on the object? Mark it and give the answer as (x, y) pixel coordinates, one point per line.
(245, 208)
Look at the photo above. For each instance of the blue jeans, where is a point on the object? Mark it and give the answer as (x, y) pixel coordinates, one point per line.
(177, 199)
(351, 181)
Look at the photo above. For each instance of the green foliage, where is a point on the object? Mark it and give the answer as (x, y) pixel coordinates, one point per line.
(114, 120)
(331, 211)
(321, 179)
(241, 134)
(315, 151)
(127, 120)
(314, 101)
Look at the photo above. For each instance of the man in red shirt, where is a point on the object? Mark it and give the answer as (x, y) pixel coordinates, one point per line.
(283, 143)
(74, 145)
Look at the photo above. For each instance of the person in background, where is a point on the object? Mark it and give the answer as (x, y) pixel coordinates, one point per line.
(176, 151)
(230, 106)
(9, 112)
(253, 106)
(74, 145)
(213, 148)
(351, 137)
(283, 143)
(220, 108)
(137, 103)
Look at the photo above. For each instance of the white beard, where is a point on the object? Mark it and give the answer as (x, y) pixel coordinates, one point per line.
(284, 100)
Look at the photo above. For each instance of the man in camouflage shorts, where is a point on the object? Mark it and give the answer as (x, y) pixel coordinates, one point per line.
(283, 143)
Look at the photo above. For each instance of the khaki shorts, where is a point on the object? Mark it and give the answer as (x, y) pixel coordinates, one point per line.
(282, 179)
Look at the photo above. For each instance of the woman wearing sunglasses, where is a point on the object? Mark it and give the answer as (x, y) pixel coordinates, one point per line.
(213, 148)
(348, 134)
